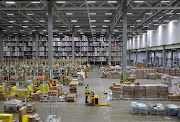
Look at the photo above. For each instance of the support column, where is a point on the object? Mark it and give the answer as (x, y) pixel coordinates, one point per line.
(130, 55)
(164, 56)
(172, 59)
(37, 45)
(73, 59)
(147, 57)
(124, 43)
(154, 56)
(1, 47)
(136, 56)
(50, 35)
(109, 49)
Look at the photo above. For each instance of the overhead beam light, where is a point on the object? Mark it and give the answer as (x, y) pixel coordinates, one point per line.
(4, 30)
(174, 20)
(138, 1)
(112, 1)
(108, 13)
(118, 26)
(165, 20)
(169, 13)
(92, 20)
(12, 21)
(106, 20)
(21, 30)
(61, 2)
(93, 26)
(91, 1)
(34, 2)
(29, 14)
(44, 30)
(149, 13)
(34, 30)
(104, 26)
(63, 26)
(138, 20)
(10, 14)
(10, 26)
(36, 26)
(24, 26)
(92, 13)
(77, 26)
(10, 2)
(41, 20)
(73, 20)
(57, 20)
(129, 13)
(26, 21)
(165, 1)
(69, 13)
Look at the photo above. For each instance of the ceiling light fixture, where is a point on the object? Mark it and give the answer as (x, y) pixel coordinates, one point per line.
(77, 26)
(10, 14)
(104, 26)
(29, 14)
(12, 21)
(106, 20)
(165, 1)
(61, 2)
(92, 20)
(24, 26)
(93, 26)
(69, 13)
(73, 20)
(108, 13)
(26, 21)
(10, 2)
(138, 1)
(112, 1)
(91, 1)
(35, 2)
(92, 13)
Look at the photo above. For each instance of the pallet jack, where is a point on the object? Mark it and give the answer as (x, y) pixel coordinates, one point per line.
(94, 100)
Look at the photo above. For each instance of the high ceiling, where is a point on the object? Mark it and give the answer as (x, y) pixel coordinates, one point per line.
(85, 17)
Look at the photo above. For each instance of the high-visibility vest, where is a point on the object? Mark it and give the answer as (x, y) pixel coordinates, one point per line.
(41, 78)
(53, 83)
(86, 89)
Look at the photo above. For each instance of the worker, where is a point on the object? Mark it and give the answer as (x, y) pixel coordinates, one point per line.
(53, 82)
(41, 78)
(86, 75)
(86, 92)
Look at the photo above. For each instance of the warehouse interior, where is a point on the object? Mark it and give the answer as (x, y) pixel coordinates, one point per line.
(89, 60)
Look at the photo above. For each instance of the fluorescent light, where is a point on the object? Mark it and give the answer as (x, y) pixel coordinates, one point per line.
(163, 1)
(57, 20)
(165, 20)
(93, 26)
(138, 1)
(63, 26)
(24, 26)
(177, 13)
(169, 13)
(106, 20)
(61, 2)
(36, 26)
(23, 35)
(10, 26)
(103, 30)
(156, 24)
(108, 13)
(132, 26)
(163, 24)
(155, 20)
(102, 33)
(129, 13)
(12, 21)
(115, 30)
(55, 35)
(77, 26)
(10, 14)
(41, 20)
(26, 21)
(148, 13)
(60, 33)
(29, 14)
(118, 26)
(145, 26)
(80, 30)
(10, 2)
(81, 33)
(104, 26)
(14, 33)
(92, 20)
(44, 30)
(69, 13)
(73, 20)
(174, 20)
(67, 30)
(92, 13)
(138, 20)
(112, 1)
(34, 30)
(4, 30)
(35, 2)
(91, 1)
(21, 30)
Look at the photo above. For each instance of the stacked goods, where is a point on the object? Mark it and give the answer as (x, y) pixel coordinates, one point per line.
(66, 80)
(113, 74)
(139, 108)
(160, 70)
(1, 93)
(6, 117)
(157, 109)
(140, 92)
(142, 73)
(34, 118)
(172, 110)
(53, 94)
(136, 82)
(159, 75)
(166, 71)
(152, 76)
(172, 71)
(162, 92)
(174, 97)
(43, 97)
(109, 74)
(30, 108)
(116, 90)
(151, 92)
(131, 78)
(177, 71)
(167, 79)
(128, 91)
(13, 105)
(35, 97)
(62, 96)
(70, 97)
(73, 87)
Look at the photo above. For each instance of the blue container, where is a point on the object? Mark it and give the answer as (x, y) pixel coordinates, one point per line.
(157, 109)
(172, 110)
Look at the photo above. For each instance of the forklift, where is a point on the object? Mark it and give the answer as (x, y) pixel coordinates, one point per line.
(94, 100)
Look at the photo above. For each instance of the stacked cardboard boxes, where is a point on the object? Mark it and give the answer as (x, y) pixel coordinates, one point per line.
(162, 92)
(151, 92)
(140, 92)
(116, 90)
(73, 87)
(174, 97)
(66, 80)
(43, 96)
(172, 71)
(128, 91)
(70, 97)
(30, 108)
(53, 94)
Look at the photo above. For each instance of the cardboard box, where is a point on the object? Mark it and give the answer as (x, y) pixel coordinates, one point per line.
(22, 112)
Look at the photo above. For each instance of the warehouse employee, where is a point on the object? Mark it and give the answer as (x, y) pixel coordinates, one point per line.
(86, 92)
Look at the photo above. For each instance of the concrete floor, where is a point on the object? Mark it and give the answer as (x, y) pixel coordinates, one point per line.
(119, 111)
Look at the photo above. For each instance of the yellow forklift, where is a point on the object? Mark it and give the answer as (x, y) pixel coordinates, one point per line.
(94, 100)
